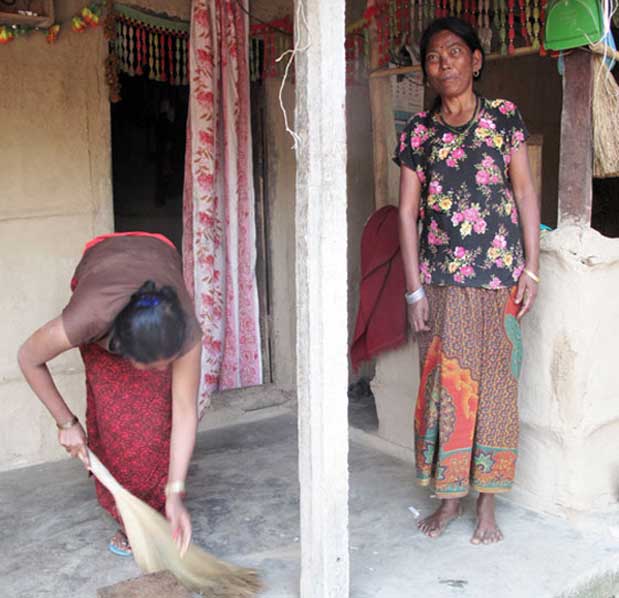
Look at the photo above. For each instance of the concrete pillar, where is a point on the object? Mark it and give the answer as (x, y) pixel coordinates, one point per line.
(321, 282)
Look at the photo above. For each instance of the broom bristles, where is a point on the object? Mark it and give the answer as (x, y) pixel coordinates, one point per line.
(605, 109)
(154, 549)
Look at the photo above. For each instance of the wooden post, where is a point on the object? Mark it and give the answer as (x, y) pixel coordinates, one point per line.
(321, 283)
(386, 174)
(576, 155)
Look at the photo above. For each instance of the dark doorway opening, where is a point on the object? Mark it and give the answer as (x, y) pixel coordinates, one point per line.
(605, 201)
(148, 155)
(605, 208)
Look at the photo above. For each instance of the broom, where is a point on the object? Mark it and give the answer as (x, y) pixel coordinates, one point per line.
(605, 118)
(154, 549)
(605, 108)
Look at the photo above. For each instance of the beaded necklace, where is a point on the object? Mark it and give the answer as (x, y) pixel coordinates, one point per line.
(461, 129)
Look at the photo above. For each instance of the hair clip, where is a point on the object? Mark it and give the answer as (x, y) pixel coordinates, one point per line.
(148, 301)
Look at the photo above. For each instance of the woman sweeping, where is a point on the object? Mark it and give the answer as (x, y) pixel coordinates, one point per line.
(134, 323)
(470, 277)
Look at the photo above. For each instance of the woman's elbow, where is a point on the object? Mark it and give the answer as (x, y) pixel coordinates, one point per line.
(527, 200)
(23, 358)
(186, 412)
(407, 212)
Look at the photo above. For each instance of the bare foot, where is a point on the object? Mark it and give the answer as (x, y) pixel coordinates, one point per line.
(487, 531)
(434, 525)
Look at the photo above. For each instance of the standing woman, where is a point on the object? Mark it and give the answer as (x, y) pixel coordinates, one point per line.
(134, 323)
(470, 278)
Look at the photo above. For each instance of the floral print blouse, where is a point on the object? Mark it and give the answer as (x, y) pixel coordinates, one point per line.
(470, 235)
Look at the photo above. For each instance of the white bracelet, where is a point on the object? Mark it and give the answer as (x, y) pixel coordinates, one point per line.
(175, 488)
(415, 296)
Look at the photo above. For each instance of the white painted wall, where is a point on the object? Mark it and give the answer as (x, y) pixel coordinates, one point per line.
(56, 194)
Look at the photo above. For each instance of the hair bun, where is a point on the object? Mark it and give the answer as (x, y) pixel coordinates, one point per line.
(151, 326)
(148, 287)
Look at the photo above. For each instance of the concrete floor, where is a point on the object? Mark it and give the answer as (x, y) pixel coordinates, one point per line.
(244, 502)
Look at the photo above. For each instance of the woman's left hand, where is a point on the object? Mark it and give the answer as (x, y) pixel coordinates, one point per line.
(525, 294)
(180, 521)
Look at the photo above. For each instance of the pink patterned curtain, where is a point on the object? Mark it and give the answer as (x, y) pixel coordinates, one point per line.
(218, 206)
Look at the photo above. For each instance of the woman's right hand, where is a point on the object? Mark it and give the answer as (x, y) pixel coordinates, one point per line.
(75, 443)
(419, 315)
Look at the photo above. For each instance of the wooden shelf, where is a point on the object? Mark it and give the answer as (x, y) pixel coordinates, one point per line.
(11, 18)
(43, 13)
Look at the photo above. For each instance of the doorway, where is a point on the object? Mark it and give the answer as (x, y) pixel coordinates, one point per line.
(148, 158)
(148, 155)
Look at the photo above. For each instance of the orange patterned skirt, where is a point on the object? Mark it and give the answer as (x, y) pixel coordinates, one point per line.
(466, 419)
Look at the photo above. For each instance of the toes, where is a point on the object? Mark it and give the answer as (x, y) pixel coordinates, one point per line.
(429, 528)
(486, 537)
(434, 532)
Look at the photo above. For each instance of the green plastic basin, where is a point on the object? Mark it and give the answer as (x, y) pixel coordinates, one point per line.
(573, 23)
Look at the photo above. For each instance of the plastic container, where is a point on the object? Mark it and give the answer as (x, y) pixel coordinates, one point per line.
(573, 23)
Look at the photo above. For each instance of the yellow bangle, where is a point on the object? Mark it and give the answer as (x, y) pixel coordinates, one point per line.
(68, 425)
(531, 275)
(175, 488)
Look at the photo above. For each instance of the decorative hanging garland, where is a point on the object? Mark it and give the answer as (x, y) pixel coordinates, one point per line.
(140, 43)
(143, 43)
(503, 27)
(148, 44)
(87, 18)
(268, 41)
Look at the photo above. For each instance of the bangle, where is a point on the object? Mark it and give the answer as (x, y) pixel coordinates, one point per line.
(531, 275)
(68, 425)
(415, 296)
(177, 487)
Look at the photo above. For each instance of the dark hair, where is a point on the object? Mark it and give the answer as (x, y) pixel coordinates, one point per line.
(151, 326)
(458, 27)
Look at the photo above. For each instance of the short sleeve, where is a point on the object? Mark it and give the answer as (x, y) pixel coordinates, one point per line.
(403, 154)
(91, 310)
(517, 132)
(411, 148)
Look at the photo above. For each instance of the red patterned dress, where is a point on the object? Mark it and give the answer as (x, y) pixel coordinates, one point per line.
(128, 421)
(128, 411)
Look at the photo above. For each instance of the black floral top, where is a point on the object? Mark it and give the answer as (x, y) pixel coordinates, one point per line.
(470, 235)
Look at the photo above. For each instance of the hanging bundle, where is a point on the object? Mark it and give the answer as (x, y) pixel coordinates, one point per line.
(605, 108)
(151, 45)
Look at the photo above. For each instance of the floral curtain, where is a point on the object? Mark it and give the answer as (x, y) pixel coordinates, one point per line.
(219, 248)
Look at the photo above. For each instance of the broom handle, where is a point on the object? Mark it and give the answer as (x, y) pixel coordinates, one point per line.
(103, 475)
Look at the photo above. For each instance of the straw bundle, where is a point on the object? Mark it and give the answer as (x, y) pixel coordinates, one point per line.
(154, 549)
(605, 110)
